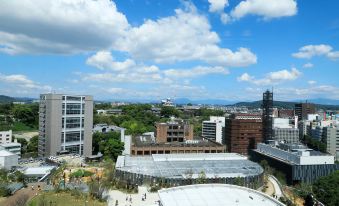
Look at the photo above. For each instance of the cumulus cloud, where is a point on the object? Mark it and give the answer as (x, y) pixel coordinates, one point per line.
(194, 72)
(193, 41)
(217, 5)
(272, 77)
(268, 9)
(23, 82)
(308, 65)
(59, 26)
(309, 51)
(104, 60)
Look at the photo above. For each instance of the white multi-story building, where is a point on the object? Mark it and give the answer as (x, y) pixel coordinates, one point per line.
(8, 159)
(65, 124)
(284, 131)
(13, 147)
(5, 137)
(213, 129)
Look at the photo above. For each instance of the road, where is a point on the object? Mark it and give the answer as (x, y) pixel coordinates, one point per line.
(277, 189)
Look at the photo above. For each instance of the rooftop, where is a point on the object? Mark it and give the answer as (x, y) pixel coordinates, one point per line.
(180, 165)
(214, 195)
(38, 170)
(5, 153)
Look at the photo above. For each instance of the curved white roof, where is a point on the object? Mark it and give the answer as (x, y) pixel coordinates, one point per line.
(214, 195)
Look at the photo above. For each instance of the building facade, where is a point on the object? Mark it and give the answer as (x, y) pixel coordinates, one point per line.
(214, 129)
(288, 135)
(5, 137)
(303, 109)
(13, 147)
(65, 124)
(243, 132)
(174, 131)
(331, 139)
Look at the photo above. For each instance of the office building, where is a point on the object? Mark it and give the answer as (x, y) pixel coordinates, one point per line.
(5, 137)
(214, 195)
(183, 169)
(297, 162)
(65, 124)
(331, 139)
(287, 135)
(267, 115)
(285, 113)
(174, 131)
(303, 109)
(214, 129)
(13, 147)
(243, 132)
(147, 145)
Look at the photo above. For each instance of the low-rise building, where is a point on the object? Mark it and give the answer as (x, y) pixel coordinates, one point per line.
(297, 162)
(5, 137)
(13, 147)
(175, 130)
(8, 160)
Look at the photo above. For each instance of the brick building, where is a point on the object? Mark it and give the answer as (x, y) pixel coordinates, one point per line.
(243, 132)
(174, 131)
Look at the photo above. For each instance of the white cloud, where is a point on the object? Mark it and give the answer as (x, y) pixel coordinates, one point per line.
(311, 82)
(308, 65)
(315, 91)
(23, 82)
(217, 5)
(309, 51)
(194, 72)
(104, 60)
(162, 41)
(225, 18)
(272, 77)
(59, 26)
(267, 9)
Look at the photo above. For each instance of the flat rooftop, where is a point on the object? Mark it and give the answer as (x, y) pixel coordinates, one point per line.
(177, 166)
(147, 141)
(214, 195)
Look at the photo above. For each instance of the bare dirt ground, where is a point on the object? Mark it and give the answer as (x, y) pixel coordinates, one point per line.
(25, 135)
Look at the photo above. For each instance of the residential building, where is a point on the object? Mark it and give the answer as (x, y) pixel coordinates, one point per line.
(13, 147)
(8, 160)
(214, 129)
(174, 131)
(303, 109)
(5, 137)
(297, 162)
(243, 132)
(65, 124)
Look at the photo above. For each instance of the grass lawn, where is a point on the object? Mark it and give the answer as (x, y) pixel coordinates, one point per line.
(61, 199)
(19, 126)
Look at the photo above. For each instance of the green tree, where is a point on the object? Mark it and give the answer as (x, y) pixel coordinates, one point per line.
(326, 189)
(169, 111)
(109, 144)
(32, 146)
(23, 143)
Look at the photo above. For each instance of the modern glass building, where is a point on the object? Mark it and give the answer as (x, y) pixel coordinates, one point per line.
(65, 124)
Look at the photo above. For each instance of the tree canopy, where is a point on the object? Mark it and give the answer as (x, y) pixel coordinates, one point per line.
(326, 189)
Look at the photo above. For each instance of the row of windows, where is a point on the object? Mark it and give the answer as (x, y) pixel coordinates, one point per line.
(72, 122)
(72, 98)
(72, 136)
(73, 108)
(74, 149)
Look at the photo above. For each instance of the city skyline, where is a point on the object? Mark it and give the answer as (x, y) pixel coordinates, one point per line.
(203, 49)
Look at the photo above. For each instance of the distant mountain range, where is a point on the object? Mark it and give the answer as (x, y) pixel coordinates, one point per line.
(321, 103)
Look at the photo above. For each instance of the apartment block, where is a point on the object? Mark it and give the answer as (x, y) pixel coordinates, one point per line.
(65, 124)
(214, 129)
(5, 137)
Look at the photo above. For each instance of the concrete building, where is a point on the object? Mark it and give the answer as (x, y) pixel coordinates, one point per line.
(65, 124)
(214, 195)
(297, 162)
(303, 109)
(288, 135)
(8, 160)
(146, 145)
(13, 147)
(174, 131)
(243, 132)
(331, 139)
(214, 129)
(183, 169)
(5, 137)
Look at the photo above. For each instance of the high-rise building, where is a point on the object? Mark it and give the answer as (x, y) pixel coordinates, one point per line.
(213, 129)
(303, 109)
(331, 139)
(65, 124)
(267, 116)
(243, 132)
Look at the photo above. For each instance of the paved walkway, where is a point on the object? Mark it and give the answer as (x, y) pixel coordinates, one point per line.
(136, 199)
(276, 186)
(28, 192)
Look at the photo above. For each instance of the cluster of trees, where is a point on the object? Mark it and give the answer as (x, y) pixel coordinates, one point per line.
(326, 189)
(6, 178)
(314, 144)
(29, 149)
(108, 144)
(19, 117)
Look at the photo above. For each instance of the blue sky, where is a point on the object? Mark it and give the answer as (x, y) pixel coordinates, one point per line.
(153, 49)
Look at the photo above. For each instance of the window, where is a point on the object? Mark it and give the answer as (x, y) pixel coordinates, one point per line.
(72, 136)
(72, 122)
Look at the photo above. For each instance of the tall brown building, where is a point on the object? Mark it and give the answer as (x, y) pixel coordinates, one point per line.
(243, 132)
(174, 131)
(303, 109)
